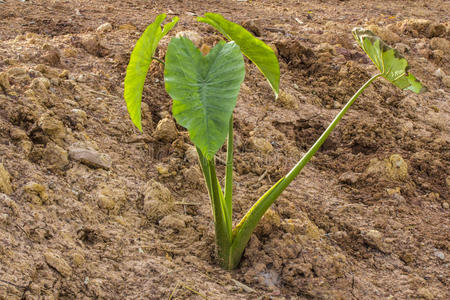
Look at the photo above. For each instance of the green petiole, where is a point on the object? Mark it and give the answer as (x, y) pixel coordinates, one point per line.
(242, 232)
(229, 171)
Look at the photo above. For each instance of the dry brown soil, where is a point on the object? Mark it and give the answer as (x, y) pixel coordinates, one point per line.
(92, 209)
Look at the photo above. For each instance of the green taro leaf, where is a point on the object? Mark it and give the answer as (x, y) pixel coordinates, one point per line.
(256, 50)
(140, 61)
(391, 64)
(204, 90)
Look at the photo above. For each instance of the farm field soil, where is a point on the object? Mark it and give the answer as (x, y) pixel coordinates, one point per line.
(90, 208)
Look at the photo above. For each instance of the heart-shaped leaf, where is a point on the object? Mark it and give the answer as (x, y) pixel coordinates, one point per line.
(204, 90)
(140, 60)
(391, 64)
(256, 50)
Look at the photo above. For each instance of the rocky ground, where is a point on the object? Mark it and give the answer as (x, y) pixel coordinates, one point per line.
(92, 209)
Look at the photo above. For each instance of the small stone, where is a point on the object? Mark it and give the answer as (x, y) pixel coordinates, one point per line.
(349, 177)
(173, 222)
(158, 201)
(64, 74)
(422, 27)
(191, 155)
(295, 53)
(105, 27)
(438, 55)
(4, 82)
(436, 30)
(35, 289)
(446, 81)
(17, 71)
(58, 263)
(269, 222)
(82, 78)
(385, 34)
(439, 254)
(70, 52)
(261, 144)
(111, 198)
(427, 53)
(193, 176)
(92, 44)
(302, 226)
(375, 239)
(336, 105)
(78, 118)
(445, 205)
(41, 83)
(106, 202)
(18, 134)
(440, 44)
(52, 58)
(78, 259)
(425, 293)
(55, 156)
(287, 100)
(194, 36)
(70, 102)
(121, 220)
(53, 128)
(166, 130)
(26, 146)
(439, 73)
(8, 202)
(407, 257)
(312, 231)
(393, 191)
(4, 219)
(403, 48)
(5, 181)
(35, 193)
(289, 225)
(397, 167)
(43, 69)
(253, 27)
(394, 168)
(90, 157)
(163, 170)
(433, 196)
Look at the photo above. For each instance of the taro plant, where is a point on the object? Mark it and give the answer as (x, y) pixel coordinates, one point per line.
(204, 89)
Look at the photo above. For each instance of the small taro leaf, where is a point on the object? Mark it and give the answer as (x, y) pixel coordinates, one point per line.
(256, 50)
(389, 62)
(204, 90)
(140, 60)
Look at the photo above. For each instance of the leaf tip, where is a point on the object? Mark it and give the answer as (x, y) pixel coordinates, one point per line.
(389, 61)
(415, 85)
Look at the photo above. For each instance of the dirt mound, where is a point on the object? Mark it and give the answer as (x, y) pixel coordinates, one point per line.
(92, 208)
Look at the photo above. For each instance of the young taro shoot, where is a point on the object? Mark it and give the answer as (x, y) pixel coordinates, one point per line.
(204, 89)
